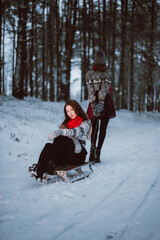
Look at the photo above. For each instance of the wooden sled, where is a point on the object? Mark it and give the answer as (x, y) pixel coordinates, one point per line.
(64, 170)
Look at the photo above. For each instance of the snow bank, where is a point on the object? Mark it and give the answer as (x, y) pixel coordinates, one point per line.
(120, 200)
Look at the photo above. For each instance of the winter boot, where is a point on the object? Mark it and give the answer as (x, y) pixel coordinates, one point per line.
(33, 170)
(92, 153)
(98, 152)
(40, 173)
(36, 171)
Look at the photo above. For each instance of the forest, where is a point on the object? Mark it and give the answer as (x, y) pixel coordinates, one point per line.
(48, 38)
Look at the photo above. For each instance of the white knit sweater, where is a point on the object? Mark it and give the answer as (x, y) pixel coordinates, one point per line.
(100, 81)
(78, 134)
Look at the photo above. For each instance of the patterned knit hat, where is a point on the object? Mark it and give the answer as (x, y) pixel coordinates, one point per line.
(100, 57)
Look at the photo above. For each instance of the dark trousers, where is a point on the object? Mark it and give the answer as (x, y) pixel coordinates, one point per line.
(101, 129)
(60, 152)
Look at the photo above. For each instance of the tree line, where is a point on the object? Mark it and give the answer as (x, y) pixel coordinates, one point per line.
(50, 36)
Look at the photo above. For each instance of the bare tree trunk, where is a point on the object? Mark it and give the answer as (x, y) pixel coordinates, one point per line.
(150, 91)
(109, 31)
(1, 13)
(93, 32)
(113, 58)
(157, 107)
(122, 76)
(99, 26)
(44, 93)
(31, 49)
(104, 27)
(83, 54)
(50, 47)
(21, 51)
(132, 32)
(36, 57)
(26, 69)
(3, 61)
(59, 26)
(13, 59)
(71, 18)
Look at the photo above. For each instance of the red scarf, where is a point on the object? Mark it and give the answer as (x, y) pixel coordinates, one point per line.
(74, 122)
(95, 68)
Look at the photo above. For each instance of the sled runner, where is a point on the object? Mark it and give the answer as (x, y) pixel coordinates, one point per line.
(68, 172)
(65, 173)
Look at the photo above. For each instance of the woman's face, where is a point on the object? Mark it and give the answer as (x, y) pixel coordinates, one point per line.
(70, 112)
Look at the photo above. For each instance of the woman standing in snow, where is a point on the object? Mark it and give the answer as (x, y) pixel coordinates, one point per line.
(69, 142)
(101, 106)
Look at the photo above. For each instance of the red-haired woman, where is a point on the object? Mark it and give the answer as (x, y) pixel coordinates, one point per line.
(68, 142)
(101, 106)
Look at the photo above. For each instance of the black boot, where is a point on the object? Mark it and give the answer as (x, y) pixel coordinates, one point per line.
(97, 158)
(40, 172)
(92, 153)
(33, 170)
(36, 171)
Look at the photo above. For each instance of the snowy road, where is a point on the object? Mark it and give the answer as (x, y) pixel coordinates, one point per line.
(119, 201)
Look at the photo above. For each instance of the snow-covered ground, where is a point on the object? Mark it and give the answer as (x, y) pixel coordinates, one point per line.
(120, 199)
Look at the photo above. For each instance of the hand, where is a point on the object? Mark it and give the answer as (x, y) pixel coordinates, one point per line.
(100, 107)
(97, 108)
(94, 109)
(54, 134)
(96, 114)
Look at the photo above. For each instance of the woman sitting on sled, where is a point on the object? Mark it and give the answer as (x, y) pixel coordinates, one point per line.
(68, 145)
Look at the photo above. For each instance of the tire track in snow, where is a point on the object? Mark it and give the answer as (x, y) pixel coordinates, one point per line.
(94, 208)
(144, 200)
(91, 211)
